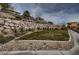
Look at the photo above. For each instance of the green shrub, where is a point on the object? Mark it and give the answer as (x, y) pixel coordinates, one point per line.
(5, 39)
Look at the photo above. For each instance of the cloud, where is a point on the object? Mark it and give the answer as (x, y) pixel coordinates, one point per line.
(61, 17)
(57, 7)
(36, 11)
(58, 13)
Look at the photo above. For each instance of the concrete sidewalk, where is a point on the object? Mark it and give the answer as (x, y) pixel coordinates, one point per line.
(42, 52)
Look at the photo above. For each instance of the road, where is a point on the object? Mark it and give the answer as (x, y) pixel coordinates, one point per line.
(75, 35)
(73, 51)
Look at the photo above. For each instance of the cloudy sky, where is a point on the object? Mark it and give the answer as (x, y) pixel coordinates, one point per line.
(55, 12)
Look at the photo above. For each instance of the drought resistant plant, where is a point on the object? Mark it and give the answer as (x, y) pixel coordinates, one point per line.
(5, 39)
(57, 35)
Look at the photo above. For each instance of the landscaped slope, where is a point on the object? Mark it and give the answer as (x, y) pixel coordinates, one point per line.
(56, 35)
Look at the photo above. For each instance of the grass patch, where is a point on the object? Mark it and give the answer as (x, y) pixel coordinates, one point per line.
(56, 35)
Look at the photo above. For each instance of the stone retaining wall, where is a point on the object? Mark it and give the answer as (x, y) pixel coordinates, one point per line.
(19, 45)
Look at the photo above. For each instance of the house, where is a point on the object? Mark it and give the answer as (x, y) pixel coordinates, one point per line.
(72, 25)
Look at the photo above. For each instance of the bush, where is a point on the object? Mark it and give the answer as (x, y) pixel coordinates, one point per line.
(5, 39)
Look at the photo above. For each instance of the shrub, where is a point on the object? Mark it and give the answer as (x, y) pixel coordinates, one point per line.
(5, 39)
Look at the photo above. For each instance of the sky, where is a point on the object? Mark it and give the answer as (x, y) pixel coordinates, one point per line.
(58, 13)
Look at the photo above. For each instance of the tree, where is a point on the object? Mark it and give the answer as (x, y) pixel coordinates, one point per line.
(5, 5)
(26, 14)
(18, 17)
(50, 22)
(39, 18)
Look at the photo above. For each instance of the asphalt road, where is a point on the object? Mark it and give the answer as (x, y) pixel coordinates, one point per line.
(75, 50)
